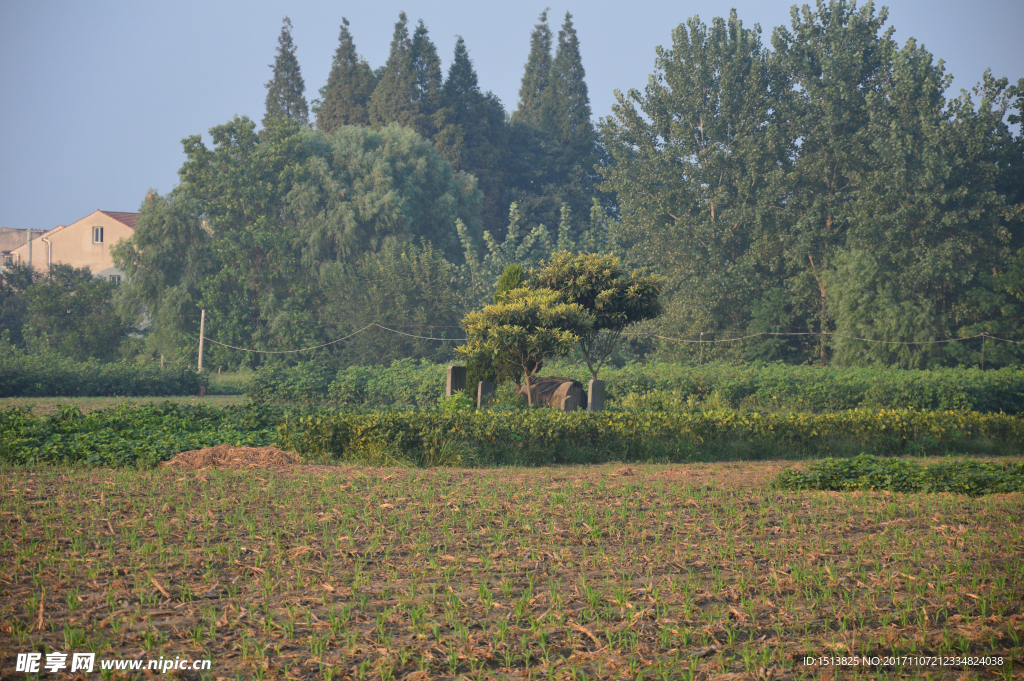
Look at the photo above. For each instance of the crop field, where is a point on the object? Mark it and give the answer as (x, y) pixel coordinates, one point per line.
(47, 406)
(601, 572)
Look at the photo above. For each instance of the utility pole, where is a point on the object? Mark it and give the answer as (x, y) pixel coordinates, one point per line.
(202, 330)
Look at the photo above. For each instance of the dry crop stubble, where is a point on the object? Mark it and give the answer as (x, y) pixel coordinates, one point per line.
(584, 572)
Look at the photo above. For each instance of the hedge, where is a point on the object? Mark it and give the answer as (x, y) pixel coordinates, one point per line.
(408, 383)
(28, 375)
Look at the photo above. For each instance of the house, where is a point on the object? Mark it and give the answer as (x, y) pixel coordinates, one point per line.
(11, 238)
(85, 243)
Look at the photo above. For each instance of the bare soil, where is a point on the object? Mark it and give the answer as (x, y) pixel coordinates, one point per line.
(698, 571)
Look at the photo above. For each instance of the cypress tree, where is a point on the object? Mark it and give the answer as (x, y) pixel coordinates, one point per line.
(426, 68)
(396, 99)
(474, 136)
(535, 75)
(349, 87)
(565, 109)
(284, 90)
(462, 83)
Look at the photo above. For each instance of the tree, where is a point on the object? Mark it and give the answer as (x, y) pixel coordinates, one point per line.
(358, 187)
(349, 87)
(536, 75)
(699, 162)
(552, 143)
(71, 313)
(396, 98)
(165, 262)
(285, 89)
(403, 286)
(275, 234)
(14, 281)
(614, 297)
(523, 329)
(486, 368)
(565, 103)
(472, 134)
(426, 69)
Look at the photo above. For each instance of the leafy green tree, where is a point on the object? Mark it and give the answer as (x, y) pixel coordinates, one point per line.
(699, 159)
(263, 229)
(486, 368)
(536, 75)
(899, 198)
(358, 187)
(523, 329)
(285, 98)
(240, 187)
(552, 143)
(14, 281)
(396, 98)
(71, 313)
(402, 286)
(615, 297)
(165, 262)
(349, 87)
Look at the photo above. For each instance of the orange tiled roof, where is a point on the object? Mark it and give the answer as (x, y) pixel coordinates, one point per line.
(124, 218)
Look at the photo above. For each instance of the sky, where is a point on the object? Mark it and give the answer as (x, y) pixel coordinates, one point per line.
(97, 96)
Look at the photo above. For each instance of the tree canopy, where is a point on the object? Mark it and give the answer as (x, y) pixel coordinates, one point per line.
(285, 90)
(614, 297)
(522, 329)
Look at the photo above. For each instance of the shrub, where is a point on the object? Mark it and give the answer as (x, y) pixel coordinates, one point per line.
(48, 375)
(129, 435)
(658, 385)
(866, 472)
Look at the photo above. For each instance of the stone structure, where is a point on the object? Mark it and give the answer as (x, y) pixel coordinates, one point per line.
(456, 380)
(484, 390)
(560, 393)
(595, 396)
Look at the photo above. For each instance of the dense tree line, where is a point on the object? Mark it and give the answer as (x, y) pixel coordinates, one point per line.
(827, 187)
(823, 195)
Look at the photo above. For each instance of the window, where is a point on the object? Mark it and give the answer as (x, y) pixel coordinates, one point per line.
(114, 278)
(97, 235)
(8, 259)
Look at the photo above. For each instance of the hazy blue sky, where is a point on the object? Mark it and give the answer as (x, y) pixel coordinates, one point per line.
(98, 95)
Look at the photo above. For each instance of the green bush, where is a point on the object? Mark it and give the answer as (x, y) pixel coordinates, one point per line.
(305, 383)
(506, 434)
(406, 383)
(129, 435)
(866, 472)
(545, 436)
(770, 387)
(48, 375)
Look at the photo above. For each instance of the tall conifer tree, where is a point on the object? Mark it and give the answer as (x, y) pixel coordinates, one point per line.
(426, 67)
(474, 137)
(565, 106)
(396, 99)
(349, 87)
(535, 76)
(285, 90)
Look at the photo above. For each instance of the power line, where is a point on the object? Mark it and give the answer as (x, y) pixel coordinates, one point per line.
(825, 333)
(648, 335)
(288, 352)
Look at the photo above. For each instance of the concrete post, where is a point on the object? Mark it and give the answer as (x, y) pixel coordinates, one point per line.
(456, 380)
(595, 396)
(483, 393)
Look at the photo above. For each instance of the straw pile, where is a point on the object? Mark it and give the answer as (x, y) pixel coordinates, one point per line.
(230, 456)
